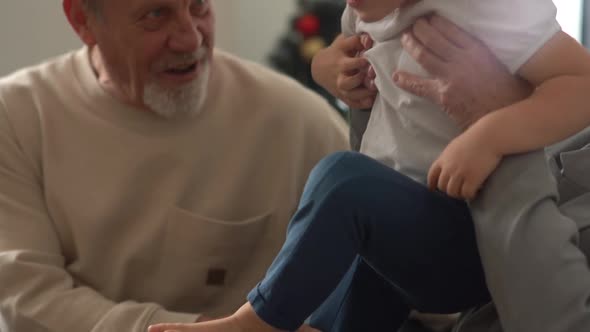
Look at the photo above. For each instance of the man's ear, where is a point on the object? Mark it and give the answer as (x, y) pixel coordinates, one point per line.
(79, 20)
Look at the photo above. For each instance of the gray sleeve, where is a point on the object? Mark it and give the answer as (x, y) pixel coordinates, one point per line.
(537, 274)
(358, 124)
(570, 162)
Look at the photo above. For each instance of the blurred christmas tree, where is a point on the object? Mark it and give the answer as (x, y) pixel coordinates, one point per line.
(312, 28)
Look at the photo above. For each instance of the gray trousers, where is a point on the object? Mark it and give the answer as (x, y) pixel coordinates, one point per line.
(530, 249)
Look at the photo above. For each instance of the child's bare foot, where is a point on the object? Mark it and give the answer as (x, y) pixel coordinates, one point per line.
(243, 320)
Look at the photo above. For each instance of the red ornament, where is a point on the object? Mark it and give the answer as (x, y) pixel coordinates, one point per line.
(308, 25)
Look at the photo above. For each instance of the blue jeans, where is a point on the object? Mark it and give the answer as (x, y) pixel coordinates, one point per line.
(366, 245)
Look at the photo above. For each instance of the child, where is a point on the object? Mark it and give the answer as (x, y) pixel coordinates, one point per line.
(406, 247)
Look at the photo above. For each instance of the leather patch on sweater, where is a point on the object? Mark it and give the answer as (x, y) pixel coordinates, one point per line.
(216, 277)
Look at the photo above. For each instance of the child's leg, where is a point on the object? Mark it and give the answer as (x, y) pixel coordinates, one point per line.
(353, 206)
(363, 301)
(366, 301)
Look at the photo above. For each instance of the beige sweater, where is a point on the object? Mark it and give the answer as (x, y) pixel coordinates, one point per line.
(112, 218)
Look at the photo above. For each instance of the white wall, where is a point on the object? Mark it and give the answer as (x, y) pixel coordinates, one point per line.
(32, 30)
(251, 27)
(569, 16)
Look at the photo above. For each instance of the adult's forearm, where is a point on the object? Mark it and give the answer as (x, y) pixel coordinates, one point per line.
(37, 296)
(538, 277)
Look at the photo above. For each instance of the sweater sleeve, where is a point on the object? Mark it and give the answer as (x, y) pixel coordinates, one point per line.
(37, 294)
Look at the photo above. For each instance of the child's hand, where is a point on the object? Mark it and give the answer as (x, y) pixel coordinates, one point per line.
(462, 167)
(342, 71)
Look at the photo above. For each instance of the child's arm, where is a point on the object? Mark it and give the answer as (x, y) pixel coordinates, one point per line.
(559, 107)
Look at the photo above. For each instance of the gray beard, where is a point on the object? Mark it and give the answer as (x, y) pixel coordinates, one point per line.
(187, 100)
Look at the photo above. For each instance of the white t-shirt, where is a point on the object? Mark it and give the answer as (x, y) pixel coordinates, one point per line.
(407, 132)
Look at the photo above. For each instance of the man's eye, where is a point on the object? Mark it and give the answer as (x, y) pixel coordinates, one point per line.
(154, 19)
(200, 7)
(156, 13)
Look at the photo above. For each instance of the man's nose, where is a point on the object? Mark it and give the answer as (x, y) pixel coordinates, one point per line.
(186, 36)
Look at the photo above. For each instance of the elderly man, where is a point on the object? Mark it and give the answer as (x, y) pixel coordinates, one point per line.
(146, 177)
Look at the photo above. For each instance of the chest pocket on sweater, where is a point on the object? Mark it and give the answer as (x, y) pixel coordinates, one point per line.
(205, 255)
